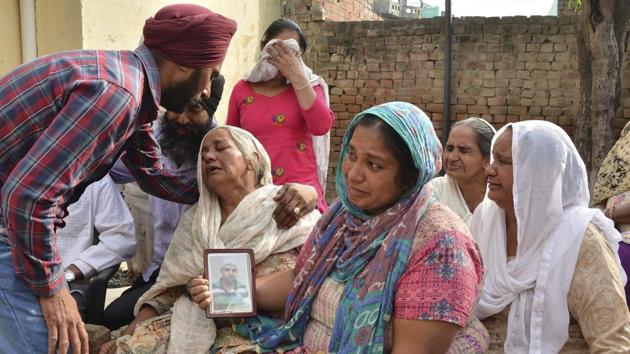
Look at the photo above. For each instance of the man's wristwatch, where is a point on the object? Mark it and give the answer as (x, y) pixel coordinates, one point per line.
(69, 275)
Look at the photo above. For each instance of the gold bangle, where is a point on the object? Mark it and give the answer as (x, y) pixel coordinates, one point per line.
(301, 88)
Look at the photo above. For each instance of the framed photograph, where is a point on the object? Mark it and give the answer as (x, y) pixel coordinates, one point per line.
(230, 274)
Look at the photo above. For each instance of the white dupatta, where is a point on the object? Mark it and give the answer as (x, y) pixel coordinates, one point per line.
(551, 204)
(448, 193)
(249, 226)
(264, 71)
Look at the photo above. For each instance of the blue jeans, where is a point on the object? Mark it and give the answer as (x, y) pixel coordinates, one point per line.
(22, 326)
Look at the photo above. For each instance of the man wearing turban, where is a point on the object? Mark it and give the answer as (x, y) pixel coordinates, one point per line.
(64, 120)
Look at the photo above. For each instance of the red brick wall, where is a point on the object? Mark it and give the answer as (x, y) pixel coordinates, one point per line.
(504, 70)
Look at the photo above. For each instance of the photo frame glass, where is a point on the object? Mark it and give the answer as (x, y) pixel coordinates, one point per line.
(231, 282)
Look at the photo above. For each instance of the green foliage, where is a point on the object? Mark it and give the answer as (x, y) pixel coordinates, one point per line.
(574, 4)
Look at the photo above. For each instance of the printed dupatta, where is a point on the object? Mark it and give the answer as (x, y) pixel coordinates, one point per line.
(367, 253)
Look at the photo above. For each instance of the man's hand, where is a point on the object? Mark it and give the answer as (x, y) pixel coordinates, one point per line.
(211, 103)
(65, 327)
(294, 201)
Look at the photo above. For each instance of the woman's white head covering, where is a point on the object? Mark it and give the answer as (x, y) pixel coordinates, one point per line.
(254, 154)
(263, 71)
(551, 198)
(250, 225)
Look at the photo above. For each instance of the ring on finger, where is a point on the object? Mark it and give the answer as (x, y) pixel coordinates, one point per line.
(296, 210)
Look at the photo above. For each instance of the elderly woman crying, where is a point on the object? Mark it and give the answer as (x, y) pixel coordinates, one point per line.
(234, 210)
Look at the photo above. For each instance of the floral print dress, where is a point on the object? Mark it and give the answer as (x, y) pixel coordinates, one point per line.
(440, 283)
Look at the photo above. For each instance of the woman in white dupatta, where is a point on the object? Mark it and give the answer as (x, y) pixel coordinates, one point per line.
(548, 256)
(465, 157)
(236, 203)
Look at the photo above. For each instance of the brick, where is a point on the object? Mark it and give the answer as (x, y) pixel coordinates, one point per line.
(465, 100)
(552, 112)
(540, 101)
(477, 109)
(532, 47)
(434, 107)
(459, 108)
(481, 101)
(534, 111)
(348, 99)
(351, 91)
(498, 119)
(516, 110)
(336, 91)
(487, 92)
(373, 67)
(337, 107)
(526, 101)
(497, 101)
(371, 83)
(345, 83)
(500, 110)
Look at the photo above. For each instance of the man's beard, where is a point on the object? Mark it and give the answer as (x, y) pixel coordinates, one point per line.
(175, 97)
(181, 149)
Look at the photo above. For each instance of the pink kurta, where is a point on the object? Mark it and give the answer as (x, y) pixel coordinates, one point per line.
(285, 130)
(441, 283)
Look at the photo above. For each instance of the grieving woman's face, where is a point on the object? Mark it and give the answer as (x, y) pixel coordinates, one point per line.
(463, 161)
(221, 161)
(370, 169)
(499, 172)
(284, 35)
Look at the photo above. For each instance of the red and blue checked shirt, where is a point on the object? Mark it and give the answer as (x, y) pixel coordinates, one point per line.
(64, 120)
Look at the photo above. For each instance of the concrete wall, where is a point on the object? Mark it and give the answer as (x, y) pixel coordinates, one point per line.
(10, 43)
(58, 25)
(117, 24)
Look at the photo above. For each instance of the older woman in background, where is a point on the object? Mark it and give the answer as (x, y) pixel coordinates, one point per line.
(234, 211)
(466, 155)
(548, 256)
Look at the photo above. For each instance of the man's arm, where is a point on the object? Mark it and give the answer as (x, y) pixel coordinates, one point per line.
(142, 158)
(87, 131)
(120, 174)
(114, 223)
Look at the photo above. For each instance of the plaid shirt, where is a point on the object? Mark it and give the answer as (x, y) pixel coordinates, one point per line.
(64, 120)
